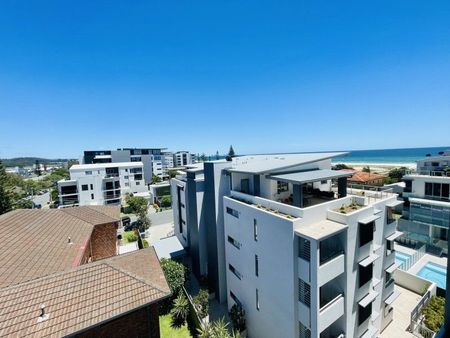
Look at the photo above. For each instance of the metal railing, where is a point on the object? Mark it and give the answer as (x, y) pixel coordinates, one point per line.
(420, 330)
(428, 172)
(413, 259)
(416, 312)
(372, 193)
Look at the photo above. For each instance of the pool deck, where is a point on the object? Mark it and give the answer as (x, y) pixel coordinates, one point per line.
(402, 314)
(424, 260)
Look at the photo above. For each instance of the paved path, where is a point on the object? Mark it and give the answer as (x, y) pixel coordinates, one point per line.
(162, 217)
(156, 232)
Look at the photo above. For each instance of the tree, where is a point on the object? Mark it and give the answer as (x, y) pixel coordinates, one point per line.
(341, 166)
(172, 173)
(397, 173)
(180, 310)
(203, 157)
(434, 313)
(237, 316)
(137, 204)
(54, 194)
(217, 155)
(231, 152)
(156, 179)
(71, 163)
(366, 169)
(166, 201)
(5, 196)
(175, 274)
(143, 222)
(37, 170)
(201, 303)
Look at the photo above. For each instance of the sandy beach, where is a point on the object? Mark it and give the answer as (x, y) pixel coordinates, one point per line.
(381, 168)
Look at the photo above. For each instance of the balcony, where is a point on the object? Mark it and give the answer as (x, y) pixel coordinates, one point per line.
(330, 312)
(331, 269)
(111, 195)
(69, 200)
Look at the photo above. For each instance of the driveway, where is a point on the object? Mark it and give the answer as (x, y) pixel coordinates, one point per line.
(42, 199)
(162, 217)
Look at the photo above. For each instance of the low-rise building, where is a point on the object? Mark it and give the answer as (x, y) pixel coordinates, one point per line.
(64, 278)
(101, 183)
(366, 178)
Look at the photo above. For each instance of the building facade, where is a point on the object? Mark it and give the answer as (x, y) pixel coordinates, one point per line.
(101, 183)
(426, 216)
(279, 235)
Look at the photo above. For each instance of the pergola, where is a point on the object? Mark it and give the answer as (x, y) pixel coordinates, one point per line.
(298, 179)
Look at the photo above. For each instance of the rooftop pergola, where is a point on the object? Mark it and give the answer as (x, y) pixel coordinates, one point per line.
(298, 179)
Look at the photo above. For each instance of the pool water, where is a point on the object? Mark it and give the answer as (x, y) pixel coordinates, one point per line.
(434, 273)
(401, 258)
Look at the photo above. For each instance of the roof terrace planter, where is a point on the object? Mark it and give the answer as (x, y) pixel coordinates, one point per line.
(349, 208)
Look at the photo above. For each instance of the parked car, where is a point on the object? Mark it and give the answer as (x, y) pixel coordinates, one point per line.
(126, 221)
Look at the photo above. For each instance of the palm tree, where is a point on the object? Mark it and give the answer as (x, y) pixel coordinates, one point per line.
(180, 310)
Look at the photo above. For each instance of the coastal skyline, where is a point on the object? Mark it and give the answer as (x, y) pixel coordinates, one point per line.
(264, 77)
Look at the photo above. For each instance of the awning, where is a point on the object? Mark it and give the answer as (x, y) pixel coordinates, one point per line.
(369, 219)
(394, 236)
(392, 268)
(311, 176)
(169, 247)
(394, 295)
(368, 299)
(369, 260)
(394, 204)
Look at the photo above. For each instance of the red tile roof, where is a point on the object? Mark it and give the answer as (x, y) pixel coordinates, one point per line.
(82, 297)
(361, 177)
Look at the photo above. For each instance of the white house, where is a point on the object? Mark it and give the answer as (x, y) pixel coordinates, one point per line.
(101, 183)
(281, 236)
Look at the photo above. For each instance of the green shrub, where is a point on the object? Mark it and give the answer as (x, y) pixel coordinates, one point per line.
(175, 274)
(145, 243)
(201, 303)
(166, 201)
(237, 316)
(130, 236)
(434, 313)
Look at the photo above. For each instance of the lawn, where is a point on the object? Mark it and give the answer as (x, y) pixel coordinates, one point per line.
(168, 331)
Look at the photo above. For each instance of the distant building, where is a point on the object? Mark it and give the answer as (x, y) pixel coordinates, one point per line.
(280, 236)
(145, 155)
(426, 215)
(66, 280)
(101, 183)
(361, 177)
(183, 158)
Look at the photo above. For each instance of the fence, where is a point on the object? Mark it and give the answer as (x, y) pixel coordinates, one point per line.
(413, 259)
(194, 318)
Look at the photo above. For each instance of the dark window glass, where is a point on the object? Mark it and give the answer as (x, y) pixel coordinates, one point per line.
(92, 196)
(256, 266)
(365, 233)
(84, 187)
(428, 189)
(445, 190)
(255, 230)
(365, 274)
(364, 313)
(437, 189)
(92, 187)
(232, 212)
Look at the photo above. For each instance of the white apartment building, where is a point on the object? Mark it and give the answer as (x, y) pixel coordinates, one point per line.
(426, 216)
(183, 158)
(168, 161)
(101, 183)
(303, 256)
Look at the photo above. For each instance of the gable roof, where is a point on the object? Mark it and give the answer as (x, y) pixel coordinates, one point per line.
(83, 297)
(34, 242)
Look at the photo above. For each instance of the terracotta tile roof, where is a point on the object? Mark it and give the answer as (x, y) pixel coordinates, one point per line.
(34, 243)
(95, 214)
(82, 297)
(361, 176)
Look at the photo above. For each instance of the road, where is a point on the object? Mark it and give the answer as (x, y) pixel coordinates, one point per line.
(162, 217)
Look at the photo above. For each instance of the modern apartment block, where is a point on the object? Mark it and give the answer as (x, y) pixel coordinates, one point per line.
(183, 158)
(426, 216)
(101, 183)
(281, 236)
(145, 155)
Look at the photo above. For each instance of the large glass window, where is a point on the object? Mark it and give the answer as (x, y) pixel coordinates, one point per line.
(282, 187)
(364, 313)
(365, 274)
(365, 233)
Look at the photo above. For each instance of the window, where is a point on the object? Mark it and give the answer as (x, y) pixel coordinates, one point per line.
(324, 182)
(88, 172)
(257, 299)
(304, 331)
(365, 274)
(92, 187)
(388, 279)
(438, 190)
(364, 313)
(366, 233)
(408, 186)
(84, 187)
(138, 183)
(234, 242)
(304, 249)
(234, 271)
(233, 212)
(234, 298)
(428, 189)
(127, 184)
(92, 196)
(245, 186)
(282, 187)
(256, 266)
(126, 177)
(255, 230)
(304, 292)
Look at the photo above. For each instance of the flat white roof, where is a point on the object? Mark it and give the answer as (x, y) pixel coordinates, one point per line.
(105, 165)
(311, 176)
(320, 230)
(260, 164)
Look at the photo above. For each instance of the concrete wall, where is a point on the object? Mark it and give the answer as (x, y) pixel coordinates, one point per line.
(412, 282)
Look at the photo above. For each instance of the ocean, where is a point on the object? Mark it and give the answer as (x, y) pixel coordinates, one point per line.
(408, 155)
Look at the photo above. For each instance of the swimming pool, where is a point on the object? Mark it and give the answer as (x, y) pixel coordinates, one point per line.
(434, 273)
(401, 258)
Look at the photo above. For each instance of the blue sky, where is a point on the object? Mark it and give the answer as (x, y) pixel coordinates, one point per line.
(265, 76)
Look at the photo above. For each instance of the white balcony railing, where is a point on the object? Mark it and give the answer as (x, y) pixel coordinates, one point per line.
(331, 312)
